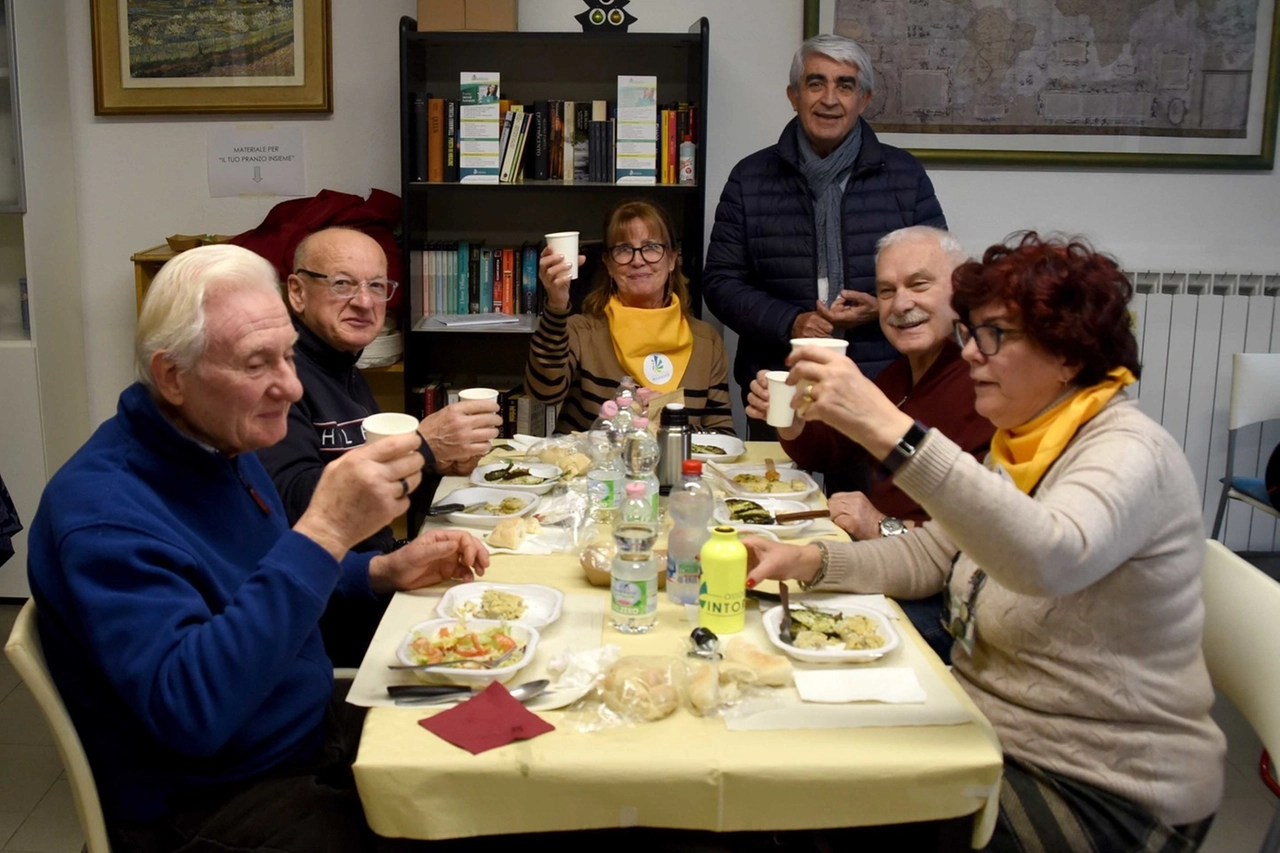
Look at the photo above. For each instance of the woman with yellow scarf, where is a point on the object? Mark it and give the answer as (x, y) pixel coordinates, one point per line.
(636, 322)
(1070, 559)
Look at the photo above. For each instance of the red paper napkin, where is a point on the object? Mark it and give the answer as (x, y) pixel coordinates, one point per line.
(487, 720)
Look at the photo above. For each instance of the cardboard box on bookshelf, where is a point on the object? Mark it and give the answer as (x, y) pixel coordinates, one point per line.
(491, 15)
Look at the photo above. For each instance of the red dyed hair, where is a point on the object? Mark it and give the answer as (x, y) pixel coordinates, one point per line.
(1072, 301)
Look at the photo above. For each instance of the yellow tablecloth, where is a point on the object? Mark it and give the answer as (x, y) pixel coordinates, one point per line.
(683, 772)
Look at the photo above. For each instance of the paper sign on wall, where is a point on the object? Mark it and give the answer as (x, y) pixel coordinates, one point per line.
(245, 161)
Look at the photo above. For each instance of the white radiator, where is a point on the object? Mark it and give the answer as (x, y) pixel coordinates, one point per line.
(1188, 325)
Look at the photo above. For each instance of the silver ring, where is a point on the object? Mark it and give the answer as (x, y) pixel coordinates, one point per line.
(404, 488)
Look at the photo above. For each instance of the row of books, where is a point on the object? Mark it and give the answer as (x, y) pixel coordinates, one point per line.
(552, 140)
(521, 413)
(464, 277)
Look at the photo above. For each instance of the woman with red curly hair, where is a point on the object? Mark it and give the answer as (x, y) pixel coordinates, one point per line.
(1070, 559)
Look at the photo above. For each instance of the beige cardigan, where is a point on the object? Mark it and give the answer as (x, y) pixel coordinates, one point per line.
(1087, 659)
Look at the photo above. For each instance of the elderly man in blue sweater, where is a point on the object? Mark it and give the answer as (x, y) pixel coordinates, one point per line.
(177, 606)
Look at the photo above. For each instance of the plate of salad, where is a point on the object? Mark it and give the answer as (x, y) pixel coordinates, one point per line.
(458, 651)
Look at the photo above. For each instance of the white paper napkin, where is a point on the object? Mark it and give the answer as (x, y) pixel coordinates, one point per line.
(892, 684)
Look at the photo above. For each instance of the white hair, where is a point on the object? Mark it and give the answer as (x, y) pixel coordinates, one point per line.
(172, 317)
(840, 49)
(947, 242)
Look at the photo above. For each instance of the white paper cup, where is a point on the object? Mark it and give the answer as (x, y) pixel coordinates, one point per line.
(477, 394)
(840, 345)
(780, 413)
(387, 424)
(565, 243)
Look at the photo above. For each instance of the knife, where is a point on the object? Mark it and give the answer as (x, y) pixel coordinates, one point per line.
(444, 509)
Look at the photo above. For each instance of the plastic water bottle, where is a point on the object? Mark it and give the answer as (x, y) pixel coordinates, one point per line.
(685, 161)
(640, 454)
(690, 506)
(634, 582)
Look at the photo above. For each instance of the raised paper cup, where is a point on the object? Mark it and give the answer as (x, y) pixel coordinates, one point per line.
(477, 394)
(780, 413)
(387, 424)
(565, 243)
(840, 345)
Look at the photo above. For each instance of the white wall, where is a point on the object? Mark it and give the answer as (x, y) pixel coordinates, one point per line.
(143, 178)
(140, 179)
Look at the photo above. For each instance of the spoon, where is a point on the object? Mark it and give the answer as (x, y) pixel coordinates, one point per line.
(422, 694)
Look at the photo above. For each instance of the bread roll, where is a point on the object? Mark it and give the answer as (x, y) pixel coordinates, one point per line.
(770, 670)
(641, 688)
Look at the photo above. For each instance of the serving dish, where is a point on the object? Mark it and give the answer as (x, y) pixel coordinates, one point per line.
(772, 619)
(789, 476)
(542, 603)
(523, 634)
(550, 475)
(785, 530)
(729, 447)
(469, 497)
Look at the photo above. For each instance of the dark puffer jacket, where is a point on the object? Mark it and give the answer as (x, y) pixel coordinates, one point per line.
(761, 270)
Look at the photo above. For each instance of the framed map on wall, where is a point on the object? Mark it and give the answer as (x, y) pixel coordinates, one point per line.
(1161, 83)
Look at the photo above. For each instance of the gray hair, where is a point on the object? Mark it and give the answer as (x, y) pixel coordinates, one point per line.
(840, 49)
(172, 317)
(945, 240)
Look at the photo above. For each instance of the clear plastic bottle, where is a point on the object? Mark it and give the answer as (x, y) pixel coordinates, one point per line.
(634, 581)
(688, 151)
(690, 506)
(640, 454)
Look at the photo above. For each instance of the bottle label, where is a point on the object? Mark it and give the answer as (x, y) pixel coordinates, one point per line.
(634, 598)
(685, 572)
(729, 604)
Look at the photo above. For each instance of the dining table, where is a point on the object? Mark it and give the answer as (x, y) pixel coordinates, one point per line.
(771, 763)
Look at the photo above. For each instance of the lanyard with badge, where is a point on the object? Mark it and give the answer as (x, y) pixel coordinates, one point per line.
(961, 622)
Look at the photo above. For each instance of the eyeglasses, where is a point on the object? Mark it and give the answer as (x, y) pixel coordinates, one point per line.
(650, 252)
(380, 289)
(988, 337)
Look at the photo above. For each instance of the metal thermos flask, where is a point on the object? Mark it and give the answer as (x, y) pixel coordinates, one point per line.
(675, 444)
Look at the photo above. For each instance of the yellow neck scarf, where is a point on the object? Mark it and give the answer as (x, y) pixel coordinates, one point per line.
(1027, 451)
(653, 345)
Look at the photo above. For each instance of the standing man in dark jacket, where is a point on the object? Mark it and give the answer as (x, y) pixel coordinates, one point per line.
(338, 294)
(792, 252)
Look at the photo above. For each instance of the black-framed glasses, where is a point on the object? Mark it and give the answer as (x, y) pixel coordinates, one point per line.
(380, 289)
(650, 252)
(988, 337)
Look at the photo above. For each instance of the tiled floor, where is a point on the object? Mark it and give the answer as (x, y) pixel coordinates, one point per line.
(38, 816)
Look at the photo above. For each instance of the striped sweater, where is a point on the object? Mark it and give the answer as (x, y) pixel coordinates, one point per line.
(571, 359)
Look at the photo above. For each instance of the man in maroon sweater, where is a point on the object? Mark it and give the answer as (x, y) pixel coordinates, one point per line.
(930, 381)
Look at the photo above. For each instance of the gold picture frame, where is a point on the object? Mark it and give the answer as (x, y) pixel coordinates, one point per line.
(162, 43)
(1252, 147)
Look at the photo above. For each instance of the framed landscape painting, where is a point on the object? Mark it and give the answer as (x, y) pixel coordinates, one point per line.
(1156, 83)
(237, 56)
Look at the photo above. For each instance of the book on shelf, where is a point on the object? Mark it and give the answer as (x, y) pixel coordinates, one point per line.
(581, 148)
(418, 103)
(514, 146)
(458, 302)
(498, 293)
(529, 278)
(636, 128)
(435, 139)
(541, 155)
(486, 281)
(451, 141)
(509, 282)
(555, 140)
(478, 128)
(473, 282)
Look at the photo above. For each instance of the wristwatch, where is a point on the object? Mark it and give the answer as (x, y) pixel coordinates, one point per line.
(905, 448)
(890, 526)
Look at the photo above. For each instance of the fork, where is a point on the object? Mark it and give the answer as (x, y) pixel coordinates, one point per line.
(489, 664)
(784, 624)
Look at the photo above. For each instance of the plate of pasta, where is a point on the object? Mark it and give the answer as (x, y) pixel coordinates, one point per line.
(851, 634)
(529, 604)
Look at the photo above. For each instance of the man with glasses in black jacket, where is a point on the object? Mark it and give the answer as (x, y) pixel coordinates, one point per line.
(338, 296)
